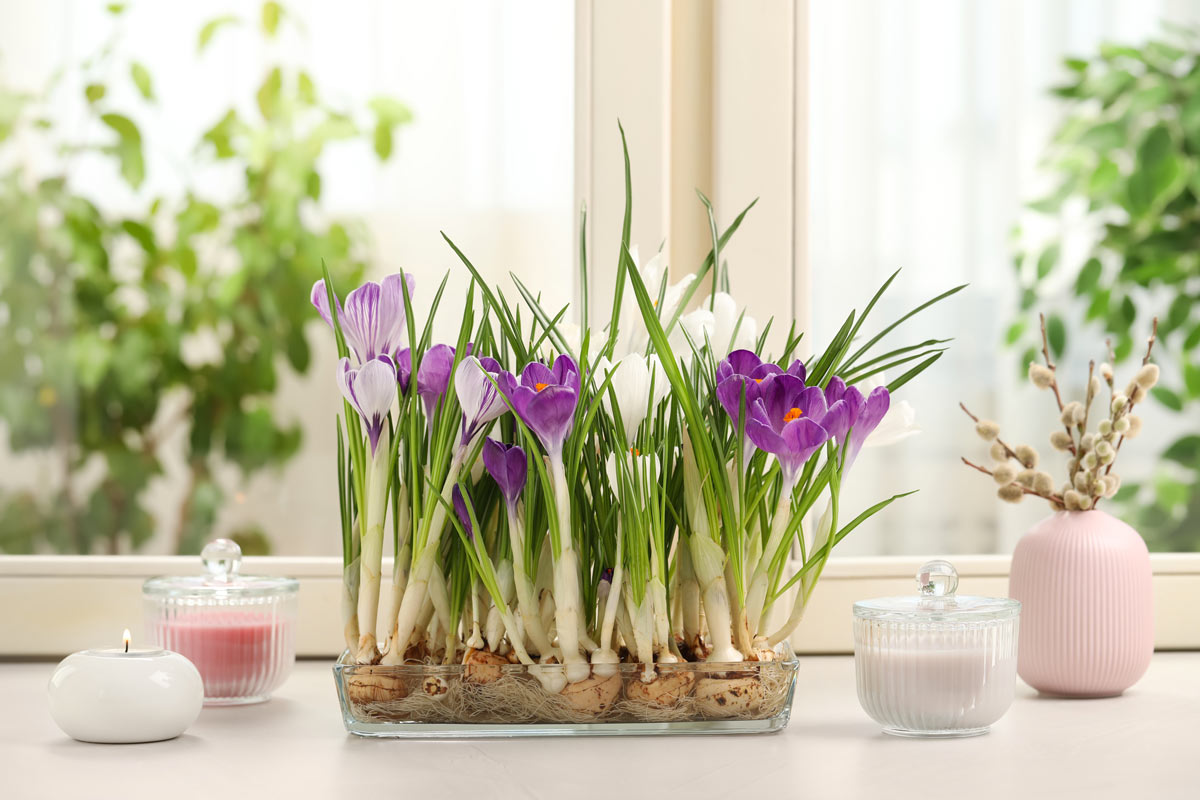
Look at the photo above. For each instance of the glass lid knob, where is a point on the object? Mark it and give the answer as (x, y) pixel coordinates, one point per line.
(937, 579)
(222, 558)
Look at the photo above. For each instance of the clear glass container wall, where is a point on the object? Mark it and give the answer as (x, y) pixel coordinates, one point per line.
(238, 630)
(503, 700)
(936, 664)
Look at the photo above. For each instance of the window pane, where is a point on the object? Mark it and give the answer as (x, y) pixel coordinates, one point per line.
(928, 120)
(164, 210)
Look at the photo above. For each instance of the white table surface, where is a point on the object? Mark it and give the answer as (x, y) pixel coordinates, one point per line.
(1142, 745)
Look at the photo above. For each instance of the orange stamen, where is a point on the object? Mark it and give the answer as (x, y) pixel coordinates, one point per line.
(795, 413)
(635, 451)
(758, 380)
(537, 387)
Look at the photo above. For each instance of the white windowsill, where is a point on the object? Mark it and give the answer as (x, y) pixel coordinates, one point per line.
(59, 604)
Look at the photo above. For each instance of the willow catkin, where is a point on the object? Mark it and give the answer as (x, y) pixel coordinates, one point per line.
(1043, 482)
(1040, 376)
(1025, 477)
(1011, 493)
(998, 452)
(1147, 376)
(1004, 473)
(1134, 427)
(987, 429)
(1061, 440)
(1027, 455)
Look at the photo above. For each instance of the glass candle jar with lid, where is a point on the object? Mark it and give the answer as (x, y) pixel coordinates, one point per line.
(936, 664)
(239, 630)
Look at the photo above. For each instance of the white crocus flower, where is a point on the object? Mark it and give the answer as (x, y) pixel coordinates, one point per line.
(726, 326)
(632, 376)
(571, 334)
(900, 421)
(634, 338)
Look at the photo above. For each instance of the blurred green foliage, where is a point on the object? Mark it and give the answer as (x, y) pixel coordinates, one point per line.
(97, 308)
(1127, 161)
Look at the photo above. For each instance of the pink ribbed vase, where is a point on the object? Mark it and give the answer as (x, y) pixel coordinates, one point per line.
(1087, 605)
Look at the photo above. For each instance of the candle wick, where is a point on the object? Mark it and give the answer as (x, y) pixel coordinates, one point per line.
(126, 645)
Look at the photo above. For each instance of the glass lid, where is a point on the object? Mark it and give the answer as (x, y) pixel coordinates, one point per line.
(936, 601)
(222, 559)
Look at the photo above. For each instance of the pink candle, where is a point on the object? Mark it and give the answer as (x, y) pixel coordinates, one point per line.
(242, 655)
(237, 629)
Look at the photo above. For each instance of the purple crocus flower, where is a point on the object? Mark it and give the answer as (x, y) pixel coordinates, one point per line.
(432, 377)
(863, 414)
(508, 468)
(741, 368)
(545, 399)
(478, 396)
(792, 421)
(371, 389)
(404, 369)
(372, 319)
(460, 511)
(744, 368)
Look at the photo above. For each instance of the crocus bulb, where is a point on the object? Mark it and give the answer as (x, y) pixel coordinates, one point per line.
(1040, 376)
(1004, 473)
(1135, 426)
(1061, 440)
(1147, 377)
(998, 452)
(1043, 482)
(1011, 493)
(987, 429)
(1027, 455)
(1122, 425)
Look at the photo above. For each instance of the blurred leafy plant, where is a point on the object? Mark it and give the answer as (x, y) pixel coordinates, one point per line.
(102, 312)
(1127, 160)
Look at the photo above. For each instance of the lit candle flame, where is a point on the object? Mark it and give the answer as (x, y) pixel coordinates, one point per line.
(126, 639)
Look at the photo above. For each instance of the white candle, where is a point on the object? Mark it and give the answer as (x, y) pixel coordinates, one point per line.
(124, 695)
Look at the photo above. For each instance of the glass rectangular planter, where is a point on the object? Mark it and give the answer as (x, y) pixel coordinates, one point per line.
(505, 700)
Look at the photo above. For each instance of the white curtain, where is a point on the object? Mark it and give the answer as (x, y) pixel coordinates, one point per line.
(926, 123)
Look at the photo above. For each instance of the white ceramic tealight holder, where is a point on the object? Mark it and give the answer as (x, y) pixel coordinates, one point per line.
(124, 695)
(936, 664)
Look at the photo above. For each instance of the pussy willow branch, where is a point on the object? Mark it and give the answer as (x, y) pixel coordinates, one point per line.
(1011, 453)
(1053, 498)
(1049, 363)
(1054, 384)
(1129, 408)
(1088, 397)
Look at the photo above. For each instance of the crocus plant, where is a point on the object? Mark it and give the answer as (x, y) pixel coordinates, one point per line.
(651, 498)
